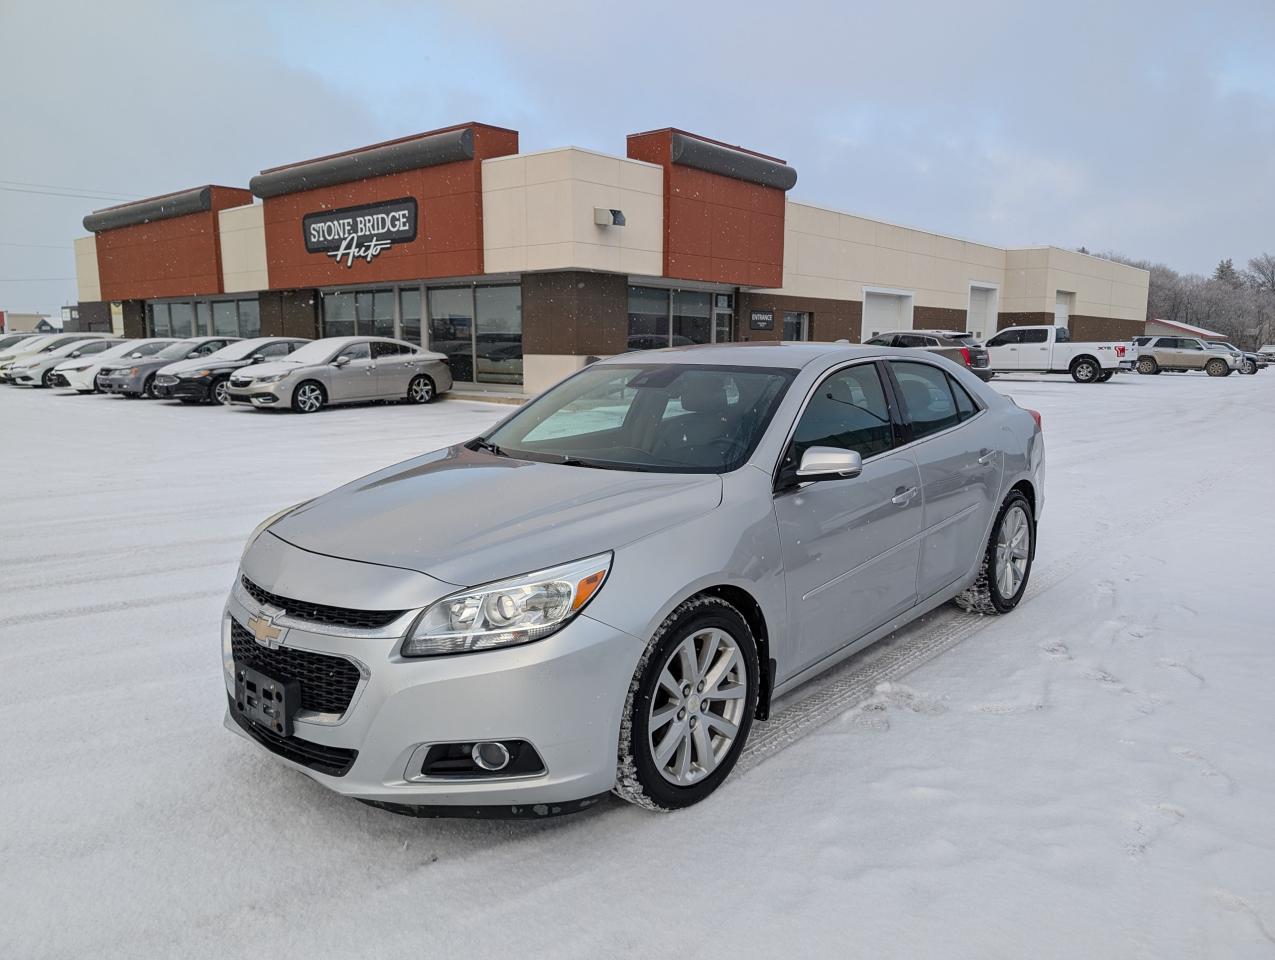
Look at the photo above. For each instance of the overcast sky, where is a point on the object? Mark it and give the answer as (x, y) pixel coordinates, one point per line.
(1148, 128)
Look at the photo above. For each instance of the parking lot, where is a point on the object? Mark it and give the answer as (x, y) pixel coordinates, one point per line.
(1088, 775)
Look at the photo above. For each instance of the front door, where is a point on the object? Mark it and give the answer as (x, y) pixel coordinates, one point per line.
(355, 380)
(850, 547)
(1002, 350)
(960, 465)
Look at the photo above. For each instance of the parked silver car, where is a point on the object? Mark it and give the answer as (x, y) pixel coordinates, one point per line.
(606, 590)
(344, 370)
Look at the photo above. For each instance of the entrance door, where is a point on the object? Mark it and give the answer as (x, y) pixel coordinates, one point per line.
(796, 325)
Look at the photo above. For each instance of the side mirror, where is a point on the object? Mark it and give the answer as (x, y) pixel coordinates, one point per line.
(341, 361)
(194, 354)
(257, 358)
(829, 463)
(135, 356)
(75, 353)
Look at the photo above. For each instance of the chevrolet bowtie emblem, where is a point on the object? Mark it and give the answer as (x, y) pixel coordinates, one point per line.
(265, 632)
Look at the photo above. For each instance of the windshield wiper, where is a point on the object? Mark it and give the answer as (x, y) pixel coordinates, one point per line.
(482, 443)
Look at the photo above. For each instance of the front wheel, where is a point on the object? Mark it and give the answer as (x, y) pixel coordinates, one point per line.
(148, 388)
(308, 398)
(46, 381)
(689, 708)
(1249, 368)
(1085, 370)
(1007, 560)
(220, 391)
(420, 390)
(1217, 368)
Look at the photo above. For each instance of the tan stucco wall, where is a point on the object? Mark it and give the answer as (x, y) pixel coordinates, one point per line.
(538, 213)
(1102, 288)
(88, 286)
(243, 248)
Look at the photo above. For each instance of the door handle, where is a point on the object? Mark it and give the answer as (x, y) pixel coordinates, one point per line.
(987, 457)
(903, 497)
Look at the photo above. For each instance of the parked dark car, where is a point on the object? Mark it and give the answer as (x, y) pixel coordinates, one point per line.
(207, 379)
(136, 378)
(958, 346)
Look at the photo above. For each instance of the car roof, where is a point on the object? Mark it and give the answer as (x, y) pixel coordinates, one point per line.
(792, 355)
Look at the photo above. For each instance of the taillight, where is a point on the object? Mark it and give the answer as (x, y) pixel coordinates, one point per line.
(1119, 349)
(1035, 416)
(965, 355)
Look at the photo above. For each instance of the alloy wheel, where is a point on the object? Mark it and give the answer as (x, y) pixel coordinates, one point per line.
(698, 706)
(309, 398)
(1085, 371)
(221, 392)
(1013, 547)
(420, 391)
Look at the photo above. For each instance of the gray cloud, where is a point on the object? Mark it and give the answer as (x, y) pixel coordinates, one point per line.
(1145, 127)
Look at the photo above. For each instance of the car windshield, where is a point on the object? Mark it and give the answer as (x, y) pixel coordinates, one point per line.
(118, 350)
(239, 350)
(664, 418)
(178, 350)
(316, 351)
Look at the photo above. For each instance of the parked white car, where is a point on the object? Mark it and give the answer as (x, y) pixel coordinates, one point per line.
(1050, 349)
(36, 370)
(80, 373)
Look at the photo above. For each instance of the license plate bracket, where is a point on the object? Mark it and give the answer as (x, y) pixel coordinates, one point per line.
(266, 701)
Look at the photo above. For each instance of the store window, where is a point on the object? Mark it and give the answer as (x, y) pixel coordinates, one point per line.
(663, 318)
(204, 318)
(498, 334)
(410, 314)
(159, 322)
(796, 325)
(451, 328)
(182, 319)
(225, 319)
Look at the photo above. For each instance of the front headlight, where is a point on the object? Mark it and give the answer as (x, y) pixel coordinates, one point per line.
(273, 378)
(79, 369)
(194, 375)
(507, 613)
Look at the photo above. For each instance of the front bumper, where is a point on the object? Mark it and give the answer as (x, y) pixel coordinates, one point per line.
(175, 388)
(122, 383)
(564, 695)
(25, 378)
(76, 379)
(276, 394)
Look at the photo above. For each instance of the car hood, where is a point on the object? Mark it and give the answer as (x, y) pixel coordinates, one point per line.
(469, 517)
(271, 368)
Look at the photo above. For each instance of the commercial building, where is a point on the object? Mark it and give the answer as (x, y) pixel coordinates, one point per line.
(521, 267)
(11, 322)
(1171, 328)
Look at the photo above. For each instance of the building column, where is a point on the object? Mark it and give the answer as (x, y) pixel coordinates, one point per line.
(134, 319)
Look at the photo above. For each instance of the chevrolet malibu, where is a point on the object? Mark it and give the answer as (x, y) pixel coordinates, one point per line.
(604, 592)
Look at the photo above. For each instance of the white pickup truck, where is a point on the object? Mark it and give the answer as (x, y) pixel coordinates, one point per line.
(1050, 349)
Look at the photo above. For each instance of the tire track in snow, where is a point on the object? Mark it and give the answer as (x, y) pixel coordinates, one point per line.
(855, 681)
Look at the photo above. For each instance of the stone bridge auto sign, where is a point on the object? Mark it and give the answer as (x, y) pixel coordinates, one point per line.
(360, 233)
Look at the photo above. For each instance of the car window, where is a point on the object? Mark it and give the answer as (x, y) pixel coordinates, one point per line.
(1006, 338)
(383, 350)
(356, 351)
(147, 349)
(1035, 336)
(848, 411)
(274, 350)
(927, 397)
(1187, 344)
(965, 405)
(1062, 335)
(909, 340)
(879, 342)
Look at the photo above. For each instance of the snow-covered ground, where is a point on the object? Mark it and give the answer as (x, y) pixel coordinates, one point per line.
(1089, 777)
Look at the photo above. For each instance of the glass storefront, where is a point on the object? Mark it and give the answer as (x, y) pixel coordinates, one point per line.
(796, 325)
(204, 318)
(662, 318)
(478, 327)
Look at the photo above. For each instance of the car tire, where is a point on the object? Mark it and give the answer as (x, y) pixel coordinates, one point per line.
(1147, 366)
(219, 392)
(1249, 368)
(46, 381)
(1085, 370)
(996, 590)
(681, 720)
(148, 388)
(1105, 376)
(309, 397)
(1217, 368)
(420, 390)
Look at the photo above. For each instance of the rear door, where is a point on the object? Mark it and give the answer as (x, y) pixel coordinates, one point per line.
(960, 461)
(850, 547)
(394, 368)
(1033, 353)
(1003, 350)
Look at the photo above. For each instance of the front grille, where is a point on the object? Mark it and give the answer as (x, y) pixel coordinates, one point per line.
(327, 683)
(322, 613)
(334, 761)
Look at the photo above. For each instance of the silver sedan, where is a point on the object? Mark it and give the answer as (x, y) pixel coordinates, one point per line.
(609, 588)
(344, 370)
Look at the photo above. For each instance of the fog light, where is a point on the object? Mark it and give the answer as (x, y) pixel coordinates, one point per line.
(490, 755)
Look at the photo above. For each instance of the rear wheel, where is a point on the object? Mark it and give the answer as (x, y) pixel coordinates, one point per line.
(1217, 368)
(1105, 376)
(690, 706)
(1147, 365)
(1085, 370)
(308, 397)
(420, 390)
(1007, 560)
